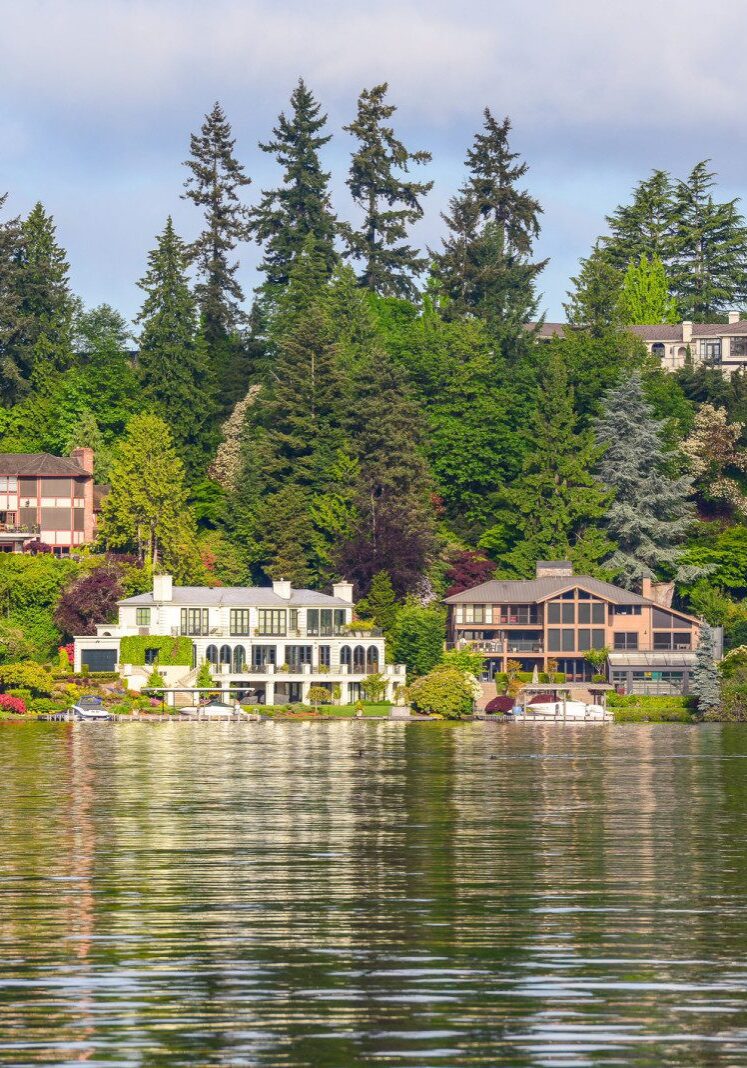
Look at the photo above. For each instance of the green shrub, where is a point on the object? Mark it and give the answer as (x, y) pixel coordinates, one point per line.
(446, 692)
(319, 695)
(171, 650)
(501, 682)
(653, 715)
(47, 705)
(21, 693)
(29, 676)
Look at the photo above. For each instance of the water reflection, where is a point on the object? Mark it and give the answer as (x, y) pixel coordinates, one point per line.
(372, 893)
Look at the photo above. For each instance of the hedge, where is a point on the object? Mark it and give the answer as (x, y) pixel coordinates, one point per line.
(171, 651)
(501, 678)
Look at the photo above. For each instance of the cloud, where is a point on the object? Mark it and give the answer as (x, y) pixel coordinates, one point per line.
(98, 96)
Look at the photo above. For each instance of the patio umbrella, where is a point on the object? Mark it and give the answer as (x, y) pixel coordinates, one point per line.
(535, 676)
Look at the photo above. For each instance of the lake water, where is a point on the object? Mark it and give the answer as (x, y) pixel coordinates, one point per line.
(343, 894)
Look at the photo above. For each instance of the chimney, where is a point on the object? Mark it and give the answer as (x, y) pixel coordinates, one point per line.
(554, 569)
(734, 317)
(687, 332)
(661, 593)
(343, 591)
(282, 588)
(84, 456)
(163, 588)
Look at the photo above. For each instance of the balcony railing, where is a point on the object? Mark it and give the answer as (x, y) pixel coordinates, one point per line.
(20, 528)
(502, 647)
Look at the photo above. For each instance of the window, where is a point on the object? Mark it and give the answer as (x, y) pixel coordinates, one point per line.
(239, 658)
(296, 655)
(372, 659)
(194, 621)
(151, 656)
(625, 640)
(663, 619)
(239, 621)
(324, 656)
(359, 658)
(568, 595)
(272, 621)
(142, 617)
(710, 349)
(739, 348)
(568, 640)
(627, 609)
(553, 641)
(474, 613)
(8, 484)
(568, 613)
(339, 620)
(225, 654)
(263, 654)
(583, 595)
(345, 655)
(293, 620)
(211, 655)
(673, 640)
(553, 612)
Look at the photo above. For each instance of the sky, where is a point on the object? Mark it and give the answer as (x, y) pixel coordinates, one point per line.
(98, 99)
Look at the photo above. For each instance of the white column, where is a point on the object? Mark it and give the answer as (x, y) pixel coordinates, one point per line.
(270, 692)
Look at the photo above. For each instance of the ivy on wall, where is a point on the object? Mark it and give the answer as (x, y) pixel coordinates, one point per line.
(171, 651)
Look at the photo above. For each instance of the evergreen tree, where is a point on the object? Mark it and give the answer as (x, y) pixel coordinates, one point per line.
(86, 433)
(174, 371)
(390, 203)
(594, 303)
(650, 513)
(13, 380)
(146, 510)
(644, 297)
(645, 227)
(706, 681)
(104, 350)
(380, 604)
(214, 183)
(557, 495)
(300, 207)
(44, 306)
(709, 271)
(485, 267)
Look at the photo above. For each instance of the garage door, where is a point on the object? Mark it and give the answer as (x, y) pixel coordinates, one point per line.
(99, 659)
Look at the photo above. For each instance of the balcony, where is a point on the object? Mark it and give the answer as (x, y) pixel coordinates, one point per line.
(500, 648)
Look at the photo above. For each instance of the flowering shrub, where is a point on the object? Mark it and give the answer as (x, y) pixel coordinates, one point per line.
(8, 703)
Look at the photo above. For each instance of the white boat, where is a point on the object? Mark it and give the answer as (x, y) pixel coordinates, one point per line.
(211, 710)
(565, 711)
(89, 708)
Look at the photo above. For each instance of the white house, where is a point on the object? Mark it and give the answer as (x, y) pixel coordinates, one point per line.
(266, 643)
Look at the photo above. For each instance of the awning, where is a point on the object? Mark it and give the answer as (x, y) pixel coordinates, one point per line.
(658, 661)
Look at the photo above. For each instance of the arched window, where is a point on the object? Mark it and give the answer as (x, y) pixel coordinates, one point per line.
(359, 658)
(658, 349)
(345, 655)
(239, 658)
(225, 654)
(372, 659)
(211, 654)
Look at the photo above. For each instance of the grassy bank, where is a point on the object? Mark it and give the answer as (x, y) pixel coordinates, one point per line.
(638, 708)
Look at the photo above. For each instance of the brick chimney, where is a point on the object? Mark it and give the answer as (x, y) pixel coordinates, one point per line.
(687, 332)
(84, 456)
(554, 569)
(661, 593)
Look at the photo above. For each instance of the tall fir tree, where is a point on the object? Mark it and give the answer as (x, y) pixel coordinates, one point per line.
(174, 371)
(106, 367)
(556, 498)
(389, 202)
(709, 270)
(45, 304)
(300, 207)
(650, 513)
(645, 226)
(644, 296)
(594, 301)
(486, 266)
(13, 381)
(214, 184)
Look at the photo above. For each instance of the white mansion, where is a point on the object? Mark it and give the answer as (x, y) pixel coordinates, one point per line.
(269, 644)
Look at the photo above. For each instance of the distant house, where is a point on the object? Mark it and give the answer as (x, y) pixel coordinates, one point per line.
(270, 643)
(48, 498)
(558, 616)
(722, 345)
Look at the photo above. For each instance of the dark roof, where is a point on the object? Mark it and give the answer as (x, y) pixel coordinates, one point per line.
(240, 596)
(654, 331)
(527, 591)
(40, 463)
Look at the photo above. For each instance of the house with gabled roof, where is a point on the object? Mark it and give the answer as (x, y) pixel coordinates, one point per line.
(551, 621)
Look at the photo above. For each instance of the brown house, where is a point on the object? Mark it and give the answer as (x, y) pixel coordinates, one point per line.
(47, 498)
(559, 616)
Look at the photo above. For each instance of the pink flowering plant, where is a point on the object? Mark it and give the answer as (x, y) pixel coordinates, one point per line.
(8, 703)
